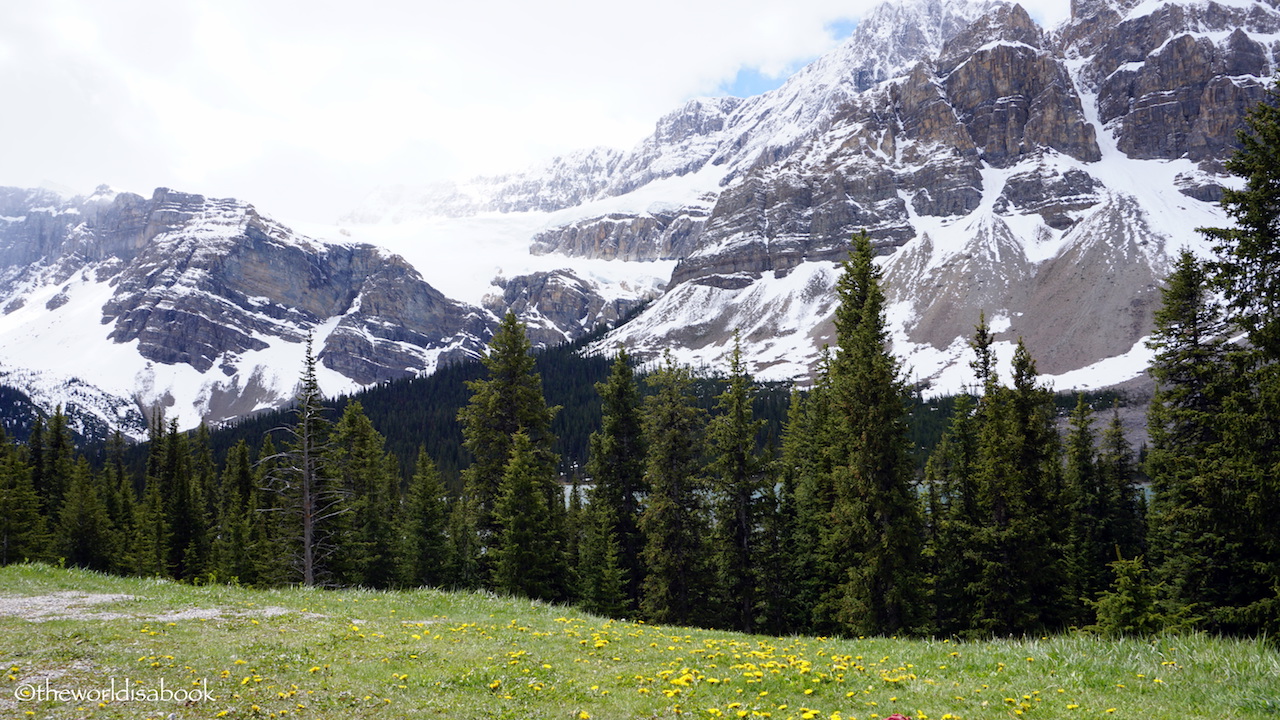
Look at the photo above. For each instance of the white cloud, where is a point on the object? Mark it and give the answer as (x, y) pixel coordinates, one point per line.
(300, 108)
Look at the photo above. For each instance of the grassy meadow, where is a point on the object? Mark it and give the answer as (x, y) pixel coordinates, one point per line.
(66, 636)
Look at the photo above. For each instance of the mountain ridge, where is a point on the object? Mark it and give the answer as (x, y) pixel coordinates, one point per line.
(1044, 176)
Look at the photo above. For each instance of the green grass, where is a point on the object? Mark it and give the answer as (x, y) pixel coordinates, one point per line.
(354, 654)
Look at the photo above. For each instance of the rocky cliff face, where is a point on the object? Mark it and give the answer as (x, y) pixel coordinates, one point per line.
(215, 287)
(1044, 177)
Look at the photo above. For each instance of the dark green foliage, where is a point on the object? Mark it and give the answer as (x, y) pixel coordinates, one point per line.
(367, 535)
(1247, 271)
(1021, 586)
(1247, 266)
(738, 479)
(875, 534)
(427, 553)
(616, 467)
(23, 531)
(86, 537)
(51, 453)
(507, 401)
(673, 522)
(18, 414)
(529, 554)
(953, 522)
(464, 549)
(272, 526)
(1088, 545)
(233, 550)
(1125, 529)
(151, 533)
(806, 503)
(601, 579)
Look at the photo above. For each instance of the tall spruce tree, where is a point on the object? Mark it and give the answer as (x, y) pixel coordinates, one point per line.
(1125, 528)
(1203, 550)
(806, 503)
(427, 548)
(23, 531)
(616, 467)
(739, 479)
(673, 521)
(365, 538)
(1020, 545)
(953, 521)
(1247, 271)
(233, 551)
(121, 500)
(1091, 549)
(86, 537)
(305, 494)
(529, 552)
(273, 529)
(507, 401)
(875, 535)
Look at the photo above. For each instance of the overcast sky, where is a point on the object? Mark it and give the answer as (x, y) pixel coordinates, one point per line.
(303, 107)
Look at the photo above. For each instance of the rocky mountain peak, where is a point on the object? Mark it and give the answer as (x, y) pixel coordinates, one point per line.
(1002, 24)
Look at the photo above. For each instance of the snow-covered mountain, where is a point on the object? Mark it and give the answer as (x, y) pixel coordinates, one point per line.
(115, 305)
(1044, 176)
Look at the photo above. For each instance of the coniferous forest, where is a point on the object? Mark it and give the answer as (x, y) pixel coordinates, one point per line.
(849, 507)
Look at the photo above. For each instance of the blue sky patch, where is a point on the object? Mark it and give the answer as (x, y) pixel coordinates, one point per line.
(750, 81)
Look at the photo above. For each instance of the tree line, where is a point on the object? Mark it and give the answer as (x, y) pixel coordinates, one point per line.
(689, 514)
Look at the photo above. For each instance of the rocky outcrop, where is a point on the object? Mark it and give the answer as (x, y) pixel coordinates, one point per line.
(557, 306)
(1012, 95)
(1177, 82)
(658, 235)
(1057, 197)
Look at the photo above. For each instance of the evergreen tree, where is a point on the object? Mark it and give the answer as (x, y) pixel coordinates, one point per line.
(119, 495)
(1207, 533)
(616, 467)
(1247, 271)
(464, 571)
(300, 480)
(508, 401)
(272, 529)
(738, 481)
(1021, 583)
(1117, 468)
(233, 550)
(427, 548)
(1247, 266)
(366, 537)
(1089, 510)
(953, 521)
(673, 520)
(529, 558)
(875, 535)
(601, 579)
(86, 537)
(151, 531)
(806, 503)
(184, 505)
(23, 531)
(52, 461)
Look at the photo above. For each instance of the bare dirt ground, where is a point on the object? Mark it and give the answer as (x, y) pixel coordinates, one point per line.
(72, 605)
